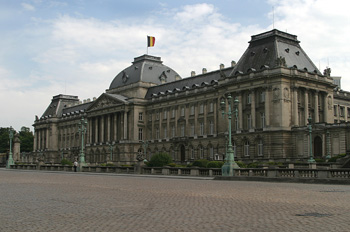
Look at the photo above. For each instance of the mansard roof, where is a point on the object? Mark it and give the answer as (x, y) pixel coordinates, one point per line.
(274, 49)
(201, 80)
(58, 104)
(145, 68)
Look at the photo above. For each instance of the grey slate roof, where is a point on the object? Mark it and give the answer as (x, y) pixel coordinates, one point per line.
(58, 104)
(209, 78)
(145, 68)
(265, 49)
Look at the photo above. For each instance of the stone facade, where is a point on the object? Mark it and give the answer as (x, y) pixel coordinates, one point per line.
(277, 87)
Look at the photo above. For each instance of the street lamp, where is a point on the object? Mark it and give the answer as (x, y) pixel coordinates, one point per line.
(82, 131)
(111, 150)
(227, 168)
(311, 160)
(10, 160)
(145, 145)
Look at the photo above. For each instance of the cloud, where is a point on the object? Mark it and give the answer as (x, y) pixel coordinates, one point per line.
(28, 7)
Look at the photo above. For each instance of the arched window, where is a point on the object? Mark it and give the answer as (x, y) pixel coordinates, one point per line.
(246, 148)
(201, 152)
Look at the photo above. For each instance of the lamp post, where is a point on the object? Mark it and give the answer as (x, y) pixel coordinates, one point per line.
(311, 160)
(82, 131)
(111, 150)
(230, 164)
(145, 145)
(10, 160)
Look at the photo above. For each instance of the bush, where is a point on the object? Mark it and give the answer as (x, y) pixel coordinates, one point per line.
(172, 165)
(202, 163)
(215, 164)
(320, 160)
(241, 164)
(66, 162)
(253, 165)
(334, 158)
(160, 160)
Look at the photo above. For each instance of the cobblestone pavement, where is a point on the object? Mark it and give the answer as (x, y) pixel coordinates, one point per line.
(48, 201)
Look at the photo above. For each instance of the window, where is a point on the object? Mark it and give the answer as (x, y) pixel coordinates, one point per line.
(211, 153)
(249, 121)
(140, 116)
(260, 147)
(165, 114)
(262, 96)
(201, 128)
(172, 131)
(157, 133)
(150, 117)
(182, 130)
(262, 120)
(140, 134)
(211, 127)
(192, 153)
(246, 148)
(201, 108)
(335, 110)
(201, 153)
(165, 133)
(192, 129)
(249, 98)
(157, 115)
(173, 112)
(182, 111)
(342, 111)
(192, 110)
(211, 107)
(348, 109)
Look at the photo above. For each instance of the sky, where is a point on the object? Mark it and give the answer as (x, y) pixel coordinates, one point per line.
(77, 47)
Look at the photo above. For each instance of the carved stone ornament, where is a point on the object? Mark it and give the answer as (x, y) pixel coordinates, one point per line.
(163, 77)
(276, 93)
(125, 77)
(327, 72)
(286, 93)
(281, 62)
(329, 102)
(105, 102)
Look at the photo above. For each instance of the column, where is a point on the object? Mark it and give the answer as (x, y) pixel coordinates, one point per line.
(103, 128)
(96, 130)
(252, 108)
(240, 111)
(109, 127)
(325, 107)
(295, 107)
(90, 129)
(267, 107)
(35, 145)
(306, 107)
(115, 127)
(125, 125)
(317, 119)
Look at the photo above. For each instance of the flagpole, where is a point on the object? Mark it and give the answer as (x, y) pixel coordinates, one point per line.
(147, 45)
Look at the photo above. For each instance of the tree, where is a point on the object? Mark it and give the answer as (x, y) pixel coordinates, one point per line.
(4, 140)
(27, 139)
(159, 160)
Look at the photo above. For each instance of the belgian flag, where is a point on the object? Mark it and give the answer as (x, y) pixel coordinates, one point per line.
(151, 41)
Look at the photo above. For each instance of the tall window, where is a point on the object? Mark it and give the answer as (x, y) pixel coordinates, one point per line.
(249, 121)
(140, 116)
(140, 134)
(192, 110)
(182, 130)
(157, 133)
(260, 147)
(173, 113)
(172, 131)
(201, 108)
(211, 127)
(335, 110)
(262, 96)
(211, 107)
(192, 129)
(182, 111)
(201, 152)
(201, 128)
(157, 115)
(192, 153)
(165, 132)
(211, 153)
(150, 117)
(262, 120)
(246, 148)
(249, 98)
(165, 114)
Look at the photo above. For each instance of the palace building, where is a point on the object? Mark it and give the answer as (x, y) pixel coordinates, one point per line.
(148, 108)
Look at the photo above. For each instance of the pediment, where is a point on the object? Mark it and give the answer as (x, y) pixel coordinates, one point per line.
(107, 101)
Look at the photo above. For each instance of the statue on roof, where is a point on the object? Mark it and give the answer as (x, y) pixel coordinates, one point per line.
(327, 72)
(281, 62)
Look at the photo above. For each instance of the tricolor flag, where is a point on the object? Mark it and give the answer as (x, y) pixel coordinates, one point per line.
(151, 41)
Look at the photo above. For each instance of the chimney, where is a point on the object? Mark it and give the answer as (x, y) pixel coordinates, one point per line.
(204, 71)
(177, 77)
(88, 100)
(222, 66)
(193, 73)
(233, 63)
(94, 98)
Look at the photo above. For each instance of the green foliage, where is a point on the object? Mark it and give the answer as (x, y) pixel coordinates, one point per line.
(320, 160)
(66, 162)
(202, 163)
(27, 139)
(215, 164)
(275, 163)
(334, 158)
(160, 160)
(4, 140)
(172, 165)
(253, 165)
(107, 165)
(241, 164)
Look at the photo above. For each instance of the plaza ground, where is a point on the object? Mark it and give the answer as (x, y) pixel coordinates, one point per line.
(66, 201)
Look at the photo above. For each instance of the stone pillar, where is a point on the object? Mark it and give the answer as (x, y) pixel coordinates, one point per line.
(325, 107)
(115, 127)
(90, 129)
(16, 148)
(96, 130)
(109, 127)
(35, 144)
(103, 128)
(295, 107)
(317, 119)
(306, 107)
(252, 108)
(267, 107)
(240, 111)
(125, 125)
